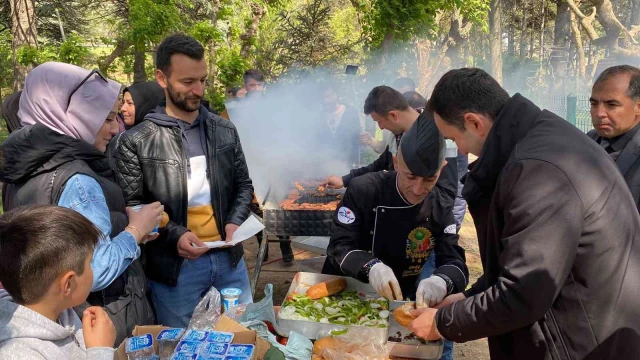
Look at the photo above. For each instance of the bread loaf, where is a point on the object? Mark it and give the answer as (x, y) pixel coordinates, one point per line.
(326, 288)
(403, 314)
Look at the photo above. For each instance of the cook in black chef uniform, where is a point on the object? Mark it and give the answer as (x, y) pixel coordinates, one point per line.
(388, 223)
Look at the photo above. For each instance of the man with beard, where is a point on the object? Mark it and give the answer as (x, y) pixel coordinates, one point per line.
(192, 161)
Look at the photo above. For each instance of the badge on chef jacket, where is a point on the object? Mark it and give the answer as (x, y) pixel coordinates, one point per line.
(451, 229)
(420, 242)
(346, 216)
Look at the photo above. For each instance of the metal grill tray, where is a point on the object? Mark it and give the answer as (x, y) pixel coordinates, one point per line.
(278, 222)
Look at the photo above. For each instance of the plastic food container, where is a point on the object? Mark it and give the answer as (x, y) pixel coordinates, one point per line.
(137, 208)
(189, 347)
(244, 350)
(140, 347)
(220, 337)
(230, 297)
(195, 335)
(167, 341)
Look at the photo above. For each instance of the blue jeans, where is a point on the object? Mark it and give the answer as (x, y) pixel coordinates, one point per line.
(175, 305)
(428, 269)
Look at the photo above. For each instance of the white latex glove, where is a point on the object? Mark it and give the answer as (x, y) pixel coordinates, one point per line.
(384, 281)
(431, 291)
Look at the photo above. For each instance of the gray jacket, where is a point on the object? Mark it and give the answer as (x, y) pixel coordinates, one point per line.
(25, 335)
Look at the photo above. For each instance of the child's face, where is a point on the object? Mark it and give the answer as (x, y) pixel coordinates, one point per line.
(83, 282)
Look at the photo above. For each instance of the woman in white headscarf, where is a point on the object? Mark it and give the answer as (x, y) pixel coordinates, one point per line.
(68, 114)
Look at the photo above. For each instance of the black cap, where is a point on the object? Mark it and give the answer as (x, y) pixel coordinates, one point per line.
(423, 147)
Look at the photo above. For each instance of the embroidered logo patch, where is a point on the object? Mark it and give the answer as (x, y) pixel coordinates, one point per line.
(419, 244)
(346, 216)
(451, 229)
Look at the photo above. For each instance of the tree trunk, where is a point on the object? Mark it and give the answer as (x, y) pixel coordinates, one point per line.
(211, 79)
(139, 59)
(523, 32)
(577, 39)
(612, 26)
(386, 47)
(512, 38)
(120, 48)
(542, 32)
(457, 37)
(495, 33)
(562, 26)
(635, 13)
(23, 33)
(258, 13)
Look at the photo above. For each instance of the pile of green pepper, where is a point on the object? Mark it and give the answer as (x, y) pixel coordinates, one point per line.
(344, 308)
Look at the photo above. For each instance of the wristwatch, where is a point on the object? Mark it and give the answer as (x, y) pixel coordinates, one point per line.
(448, 281)
(364, 272)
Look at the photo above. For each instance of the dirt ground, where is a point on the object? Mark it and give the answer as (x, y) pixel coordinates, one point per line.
(274, 271)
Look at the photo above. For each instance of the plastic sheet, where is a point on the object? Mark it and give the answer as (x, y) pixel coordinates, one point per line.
(354, 344)
(208, 312)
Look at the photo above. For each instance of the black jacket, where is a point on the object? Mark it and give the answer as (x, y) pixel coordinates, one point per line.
(37, 163)
(152, 166)
(559, 239)
(628, 161)
(367, 193)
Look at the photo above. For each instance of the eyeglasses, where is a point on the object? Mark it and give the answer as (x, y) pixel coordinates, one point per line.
(93, 72)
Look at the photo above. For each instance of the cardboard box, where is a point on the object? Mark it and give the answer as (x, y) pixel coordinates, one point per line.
(242, 335)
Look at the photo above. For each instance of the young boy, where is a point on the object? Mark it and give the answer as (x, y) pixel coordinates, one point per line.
(45, 257)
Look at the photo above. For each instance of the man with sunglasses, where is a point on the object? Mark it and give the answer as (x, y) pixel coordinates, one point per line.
(192, 161)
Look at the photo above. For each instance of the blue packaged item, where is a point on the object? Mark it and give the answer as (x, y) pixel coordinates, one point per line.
(214, 349)
(188, 346)
(155, 230)
(245, 350)
(195, 335)
(167, 341)
(230, 297)
(140, 347)
(170, 334)
(220, 337)
(184, 356)
(210, 357)
(236, 357)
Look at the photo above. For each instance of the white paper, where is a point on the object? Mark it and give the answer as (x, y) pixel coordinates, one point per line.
(249, 228)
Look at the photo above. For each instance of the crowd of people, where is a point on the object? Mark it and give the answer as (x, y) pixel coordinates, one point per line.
(90, 171)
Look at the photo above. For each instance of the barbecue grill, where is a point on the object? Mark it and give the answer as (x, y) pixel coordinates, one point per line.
(302, 213)
(306, 211)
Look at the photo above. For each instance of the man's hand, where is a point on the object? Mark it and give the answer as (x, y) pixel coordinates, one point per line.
(384, 281)
(97, 328)
(431, 291)
(333, 182)
(186, 250)
(424, 325)
(230, 229)
(366, 138)
(450, 300)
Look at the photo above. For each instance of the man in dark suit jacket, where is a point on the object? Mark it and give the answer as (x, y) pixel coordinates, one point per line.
(615, 113)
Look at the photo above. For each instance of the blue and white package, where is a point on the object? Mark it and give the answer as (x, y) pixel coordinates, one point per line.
(195, 335)
(188, 346)
(140, 347)
(168, 339)
(235, 357)
(217, 349)
(210, 357)
(170, 334)
(184, 356)
(245, 350)
(220, 337)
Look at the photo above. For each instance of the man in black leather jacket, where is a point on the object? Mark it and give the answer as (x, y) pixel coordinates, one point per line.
(192, 161)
